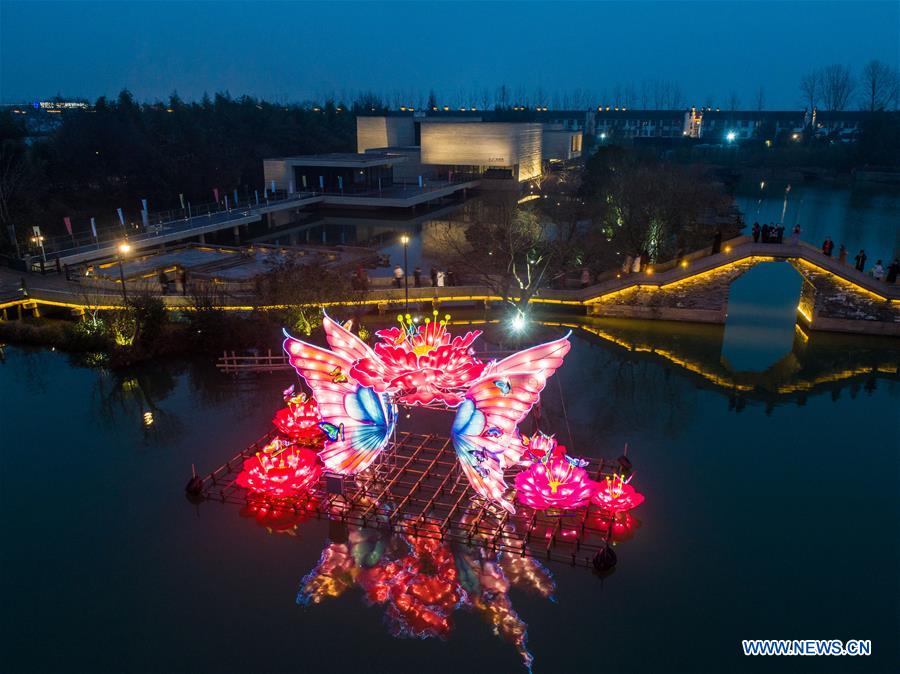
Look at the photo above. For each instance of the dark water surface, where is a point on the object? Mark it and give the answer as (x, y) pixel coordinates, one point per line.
(771, 512)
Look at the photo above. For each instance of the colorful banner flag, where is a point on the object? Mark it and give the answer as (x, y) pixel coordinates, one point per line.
(303, 178)
(256, 196)
(226, 202)
(322, 183)
(273, 187)
(236, 200)
(143, 204)
(216, 194)
(420, 181)
(121, 216)
(94, 228)
(181, 198)
(68, 222)
(341, 183)
(266, 193)
(291, 187)
(145, 218)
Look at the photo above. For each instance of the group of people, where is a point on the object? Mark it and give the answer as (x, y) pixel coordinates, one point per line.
(439, 277)
(877, 271)
(772, 233)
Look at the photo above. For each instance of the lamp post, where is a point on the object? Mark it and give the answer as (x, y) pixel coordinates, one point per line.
(124, 247)
(405, 241)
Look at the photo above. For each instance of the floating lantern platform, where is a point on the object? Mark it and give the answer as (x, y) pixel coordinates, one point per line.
(417, 488)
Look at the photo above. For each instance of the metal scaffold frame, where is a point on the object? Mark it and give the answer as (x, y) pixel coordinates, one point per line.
(416, 488)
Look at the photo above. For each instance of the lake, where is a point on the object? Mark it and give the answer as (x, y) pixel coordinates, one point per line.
(771, 512)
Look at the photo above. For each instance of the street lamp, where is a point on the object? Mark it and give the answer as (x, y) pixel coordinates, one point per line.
(124, 247)
(405, 241)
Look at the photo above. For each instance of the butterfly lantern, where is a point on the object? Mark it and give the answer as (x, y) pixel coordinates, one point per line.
(359, 413)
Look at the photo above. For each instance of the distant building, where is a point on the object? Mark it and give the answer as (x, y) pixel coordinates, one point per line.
(721, 126)
(841, 125)
(627, 123)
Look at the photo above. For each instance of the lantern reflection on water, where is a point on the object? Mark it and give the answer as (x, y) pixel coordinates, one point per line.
(421, 581)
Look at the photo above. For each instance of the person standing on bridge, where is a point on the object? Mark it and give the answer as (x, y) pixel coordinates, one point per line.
(433, 277)
(877, 271)
(417, 277)
(827, 246)
(892, 271)
(755, 232)
(795, 235)
(861, 258)
(842, 254)
(398, 276)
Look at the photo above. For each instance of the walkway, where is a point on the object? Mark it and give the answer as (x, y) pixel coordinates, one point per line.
(52, 290)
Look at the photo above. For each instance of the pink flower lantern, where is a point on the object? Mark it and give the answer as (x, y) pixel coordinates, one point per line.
(280, 470)
(421, 364)
(616, 495)
(554, 481)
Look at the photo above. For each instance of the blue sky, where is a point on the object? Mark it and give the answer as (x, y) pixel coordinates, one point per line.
(297, 50)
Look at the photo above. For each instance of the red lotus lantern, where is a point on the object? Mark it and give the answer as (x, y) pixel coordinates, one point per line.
(421, 364)
(299, 420)
(616, 495)
(554, 480)
(280, 470)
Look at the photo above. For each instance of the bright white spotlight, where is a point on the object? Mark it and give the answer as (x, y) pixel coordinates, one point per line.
(731, 136)
(518, 323)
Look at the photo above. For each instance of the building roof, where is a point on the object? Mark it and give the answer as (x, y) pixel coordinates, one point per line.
(342, 159)
(753, 114)
(631, 113)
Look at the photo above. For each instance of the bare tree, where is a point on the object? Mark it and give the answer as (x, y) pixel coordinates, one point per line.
(760, 99)
(810, 88)
(880, 84)
(837, 86)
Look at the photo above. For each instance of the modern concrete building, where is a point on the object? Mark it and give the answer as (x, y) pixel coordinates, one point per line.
(344, 172)
(560, 144)
(502, 146)
(504, 150)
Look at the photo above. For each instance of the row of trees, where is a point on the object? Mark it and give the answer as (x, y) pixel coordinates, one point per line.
(118, 152)
(834, 87)
(624, 205)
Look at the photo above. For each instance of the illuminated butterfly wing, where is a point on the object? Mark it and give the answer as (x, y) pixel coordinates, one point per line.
(346, 344)
(543, 359)
(484, 430)
(367, 417)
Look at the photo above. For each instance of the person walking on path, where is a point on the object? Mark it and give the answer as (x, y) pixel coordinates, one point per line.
(398, 276)
(417, 277)
(878, 271)
(827, 246)
(755, 231)
(861, 260)
(842, 254)
(892, 271)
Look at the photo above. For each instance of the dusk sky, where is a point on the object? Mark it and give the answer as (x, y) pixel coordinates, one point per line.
(297, 51)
